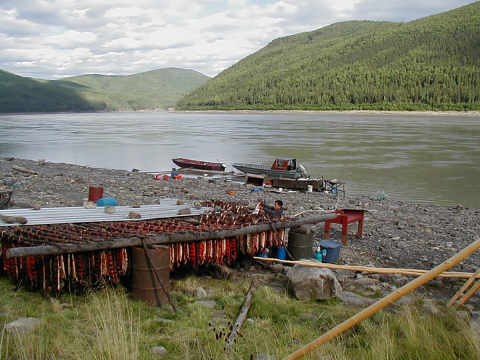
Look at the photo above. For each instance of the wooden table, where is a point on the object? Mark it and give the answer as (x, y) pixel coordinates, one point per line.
(346, 217)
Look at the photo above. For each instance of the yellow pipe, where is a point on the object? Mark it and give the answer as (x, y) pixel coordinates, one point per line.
(411, 272)
(387, 300)
(469, 293)
(464, 287)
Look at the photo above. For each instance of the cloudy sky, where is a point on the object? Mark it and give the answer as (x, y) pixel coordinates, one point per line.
(51, 39)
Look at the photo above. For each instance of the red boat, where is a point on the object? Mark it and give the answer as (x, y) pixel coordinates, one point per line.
(196, 164)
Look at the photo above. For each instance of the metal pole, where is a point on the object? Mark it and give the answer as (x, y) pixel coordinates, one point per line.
(380, 304)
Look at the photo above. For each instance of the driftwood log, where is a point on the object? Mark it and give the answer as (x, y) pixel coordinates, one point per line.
(163, 239)
(24, 170)
(243, 314)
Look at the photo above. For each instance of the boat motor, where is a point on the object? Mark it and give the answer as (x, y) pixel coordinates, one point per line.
(301, 172)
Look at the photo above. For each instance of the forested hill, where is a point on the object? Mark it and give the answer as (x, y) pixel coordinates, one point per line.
(156, 89)
(428, 64)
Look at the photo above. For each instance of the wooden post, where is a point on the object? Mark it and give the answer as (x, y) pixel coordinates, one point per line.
(380, 304)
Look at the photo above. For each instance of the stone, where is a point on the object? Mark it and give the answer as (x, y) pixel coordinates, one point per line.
(367, 281)
(90, 205)
(22, 325)
(475, 321)
(209, 304)
(200, 292)
(306, 282)
(109, 209)
(185, 211)
(159, 350)
(430, 307)
(163, 321)
(134, 215)
(350, 298)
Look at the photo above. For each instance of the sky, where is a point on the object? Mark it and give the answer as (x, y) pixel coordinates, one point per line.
(53, 39)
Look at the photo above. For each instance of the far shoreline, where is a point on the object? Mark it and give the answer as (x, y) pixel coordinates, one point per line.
(367, 112)
(475, 113)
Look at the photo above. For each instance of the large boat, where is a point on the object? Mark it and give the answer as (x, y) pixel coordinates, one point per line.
(201, 165)
(282, 167)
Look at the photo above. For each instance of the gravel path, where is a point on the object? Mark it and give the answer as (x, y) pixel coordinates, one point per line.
(396, 234)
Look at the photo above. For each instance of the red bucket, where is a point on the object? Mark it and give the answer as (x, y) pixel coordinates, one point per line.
(95, 193)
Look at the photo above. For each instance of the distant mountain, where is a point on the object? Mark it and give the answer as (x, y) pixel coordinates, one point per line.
(152, 90)
(428, 64)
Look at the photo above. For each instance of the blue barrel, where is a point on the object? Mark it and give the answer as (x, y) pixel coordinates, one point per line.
(107, 201)
(281, 253)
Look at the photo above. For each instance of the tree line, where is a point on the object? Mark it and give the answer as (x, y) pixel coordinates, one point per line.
(427, 64)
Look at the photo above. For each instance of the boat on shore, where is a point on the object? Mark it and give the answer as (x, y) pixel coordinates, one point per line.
(200, 165)
(281, 167)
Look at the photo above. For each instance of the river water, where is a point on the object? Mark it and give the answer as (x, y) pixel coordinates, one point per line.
(411, 157)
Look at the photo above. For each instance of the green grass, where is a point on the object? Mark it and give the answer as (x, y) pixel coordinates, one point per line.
(107, 324)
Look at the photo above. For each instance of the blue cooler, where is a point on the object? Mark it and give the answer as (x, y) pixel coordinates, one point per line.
(107, 201)
(333, 250)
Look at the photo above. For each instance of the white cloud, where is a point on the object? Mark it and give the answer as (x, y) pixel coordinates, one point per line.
(53, 39)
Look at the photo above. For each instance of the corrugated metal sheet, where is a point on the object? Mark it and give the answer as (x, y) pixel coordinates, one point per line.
(64, 215)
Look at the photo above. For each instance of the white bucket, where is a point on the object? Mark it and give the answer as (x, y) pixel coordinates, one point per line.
(309, 188)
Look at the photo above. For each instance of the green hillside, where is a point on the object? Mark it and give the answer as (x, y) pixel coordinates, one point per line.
(157, 89)
(20, 94)
(428, 64)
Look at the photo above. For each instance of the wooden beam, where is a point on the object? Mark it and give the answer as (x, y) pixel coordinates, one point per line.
(162, 239)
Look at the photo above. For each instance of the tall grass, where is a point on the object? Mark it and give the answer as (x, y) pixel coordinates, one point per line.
(107, 324)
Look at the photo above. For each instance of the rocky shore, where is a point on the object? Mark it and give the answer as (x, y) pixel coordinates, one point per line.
(396, 234)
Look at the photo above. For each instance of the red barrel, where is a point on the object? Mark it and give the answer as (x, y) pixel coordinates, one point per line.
(95, 193)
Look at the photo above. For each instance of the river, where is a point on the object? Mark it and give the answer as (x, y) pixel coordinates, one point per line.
(423, 158)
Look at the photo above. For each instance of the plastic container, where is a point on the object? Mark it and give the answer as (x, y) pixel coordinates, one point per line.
(318, 255)
(8, 182)
(95, 193)
(310, 188)
(381, 195)
(330, 250)
(281, 253)
(107, 201)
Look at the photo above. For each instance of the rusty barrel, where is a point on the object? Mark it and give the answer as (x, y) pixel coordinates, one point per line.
(145, 285)
(95, 193)
(300, 246)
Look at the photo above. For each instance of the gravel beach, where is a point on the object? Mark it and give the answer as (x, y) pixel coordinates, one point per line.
(395, 234)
